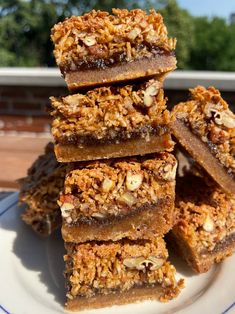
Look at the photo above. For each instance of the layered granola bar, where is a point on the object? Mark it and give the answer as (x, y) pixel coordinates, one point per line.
(101, 274)
(205, 232)
(40, 191)
(111, 122)
(100, 48)
(114, 199)
(205, 127)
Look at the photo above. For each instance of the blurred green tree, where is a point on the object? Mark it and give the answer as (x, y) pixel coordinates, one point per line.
(202, 44)
(214, 45)
(25, 27)
(179, 24)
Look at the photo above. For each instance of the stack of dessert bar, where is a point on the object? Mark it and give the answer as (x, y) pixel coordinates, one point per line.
(113, 173)
(118, 201)
(99, 49)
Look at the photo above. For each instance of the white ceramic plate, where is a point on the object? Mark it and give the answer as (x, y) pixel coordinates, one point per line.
(31, 280)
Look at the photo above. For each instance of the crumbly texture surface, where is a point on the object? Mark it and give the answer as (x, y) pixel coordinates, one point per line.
(117, 187)
(99, 39)
(40, 191)
(110, 114)
(206, 221)
(209, 117)
(99, 268)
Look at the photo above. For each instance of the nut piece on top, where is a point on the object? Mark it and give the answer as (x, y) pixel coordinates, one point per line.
(205, 127)
(101, 274)
(110, 200)
(205, 231)
(40, 191)
(111, 122)
(98, 48)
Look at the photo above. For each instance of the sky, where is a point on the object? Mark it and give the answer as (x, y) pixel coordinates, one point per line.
(210, 8)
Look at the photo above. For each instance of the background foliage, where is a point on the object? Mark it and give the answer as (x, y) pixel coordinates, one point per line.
(203, 43)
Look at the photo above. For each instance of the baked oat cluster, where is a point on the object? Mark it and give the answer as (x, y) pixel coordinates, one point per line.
(99, 48)
(40, 191)
(205, 230)
(99, 39)
(42, 212)
(93, 268)
(206, 213)
(106, 112)
(210, 118)
(117, 187)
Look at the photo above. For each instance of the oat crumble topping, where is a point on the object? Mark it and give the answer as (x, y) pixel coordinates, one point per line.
(102, 267)
(44, 197)
(123, 36)
(206, 213)
(41, 188)
(210, 118)
(116, 187)
(105, 112)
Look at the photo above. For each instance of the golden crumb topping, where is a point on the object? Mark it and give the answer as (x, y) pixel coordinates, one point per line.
(110, 266)
(40, 191)
(117, 186)
(98, 34)
(105, 111)
(206, 213)
(44, 181)
(209, 117)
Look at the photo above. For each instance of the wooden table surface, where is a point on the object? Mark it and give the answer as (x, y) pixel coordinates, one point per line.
(17, 153)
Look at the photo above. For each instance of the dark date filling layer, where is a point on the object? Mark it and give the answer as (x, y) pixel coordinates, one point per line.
(99, 291)
(211, 146)
(144, 222)
(201, 152)
(108, 219)
(93, 62)
(214, 150)
(220, 246)
(113, 136)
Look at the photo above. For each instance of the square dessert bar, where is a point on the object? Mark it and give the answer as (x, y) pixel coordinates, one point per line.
(111, 122)
(114, 199)
(101, 274)
(205, 232)
(40, 191)
(205, 127)
(100, 48)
